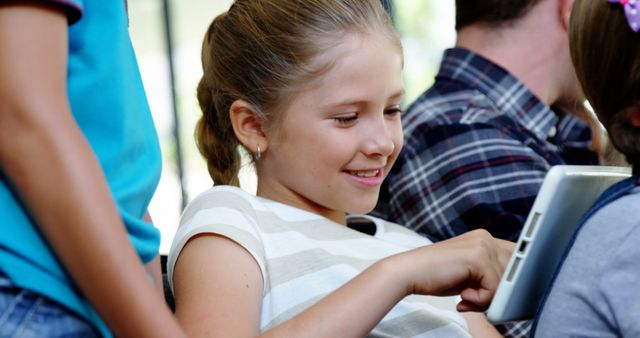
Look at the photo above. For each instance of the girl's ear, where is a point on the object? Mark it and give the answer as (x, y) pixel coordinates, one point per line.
(635, 116)
(564, 9)
(248, 126)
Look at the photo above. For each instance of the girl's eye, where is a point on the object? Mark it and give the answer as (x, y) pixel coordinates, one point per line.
(347, 119)
(393, 111)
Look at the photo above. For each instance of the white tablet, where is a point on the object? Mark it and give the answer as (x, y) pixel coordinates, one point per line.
(566, 194)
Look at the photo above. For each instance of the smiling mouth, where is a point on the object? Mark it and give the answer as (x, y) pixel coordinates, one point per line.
(364, 173)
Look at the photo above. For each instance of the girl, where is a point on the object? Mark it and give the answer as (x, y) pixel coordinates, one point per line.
(313, 89)
(595, 290)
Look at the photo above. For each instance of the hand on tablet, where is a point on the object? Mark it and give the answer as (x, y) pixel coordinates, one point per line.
(470, 265)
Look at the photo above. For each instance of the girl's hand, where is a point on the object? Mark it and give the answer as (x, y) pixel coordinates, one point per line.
(470, 265)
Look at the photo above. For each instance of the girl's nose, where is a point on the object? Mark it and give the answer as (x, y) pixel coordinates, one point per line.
(379, 140)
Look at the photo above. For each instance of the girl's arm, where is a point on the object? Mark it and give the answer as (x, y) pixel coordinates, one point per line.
(480, 327)
(218, 287)
(56, 175)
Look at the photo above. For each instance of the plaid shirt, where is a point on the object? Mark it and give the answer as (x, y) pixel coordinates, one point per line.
(477, 147)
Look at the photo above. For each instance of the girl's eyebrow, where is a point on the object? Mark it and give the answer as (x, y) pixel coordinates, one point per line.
(352, 102)
(399, 94)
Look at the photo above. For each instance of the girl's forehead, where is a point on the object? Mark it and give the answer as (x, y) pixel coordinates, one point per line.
(369, 76)
(346, 72)
(354, 50)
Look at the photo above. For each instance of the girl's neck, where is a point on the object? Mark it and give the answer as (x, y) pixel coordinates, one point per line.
(296, 200)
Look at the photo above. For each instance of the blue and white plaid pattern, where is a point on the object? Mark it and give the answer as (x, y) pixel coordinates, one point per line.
(515, 329)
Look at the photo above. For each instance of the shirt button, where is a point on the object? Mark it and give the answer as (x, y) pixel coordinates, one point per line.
(552, 132)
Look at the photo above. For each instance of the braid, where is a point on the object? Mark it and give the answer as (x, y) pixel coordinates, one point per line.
(214, 134)
(217, 142)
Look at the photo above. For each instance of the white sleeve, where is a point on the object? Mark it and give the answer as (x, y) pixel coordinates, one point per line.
(222, 214)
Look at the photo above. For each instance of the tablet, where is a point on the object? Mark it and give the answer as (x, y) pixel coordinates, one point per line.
(566, 194)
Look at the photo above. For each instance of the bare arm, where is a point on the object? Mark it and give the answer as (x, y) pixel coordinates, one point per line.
(218, 287)
(480, 327)
(53, 170)
(153, 268)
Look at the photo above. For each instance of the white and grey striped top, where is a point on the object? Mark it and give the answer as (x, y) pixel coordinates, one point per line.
(303, 257)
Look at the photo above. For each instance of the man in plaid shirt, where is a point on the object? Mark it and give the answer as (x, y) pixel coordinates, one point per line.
(479, 142)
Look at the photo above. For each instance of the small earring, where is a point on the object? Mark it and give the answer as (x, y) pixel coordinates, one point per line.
(258, 154)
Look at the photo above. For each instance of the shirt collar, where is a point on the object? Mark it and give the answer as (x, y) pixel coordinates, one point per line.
(511, 97)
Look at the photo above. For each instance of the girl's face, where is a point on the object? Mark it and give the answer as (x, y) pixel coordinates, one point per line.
(339, 137)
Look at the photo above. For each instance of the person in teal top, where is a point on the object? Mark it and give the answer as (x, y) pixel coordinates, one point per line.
(79, 163)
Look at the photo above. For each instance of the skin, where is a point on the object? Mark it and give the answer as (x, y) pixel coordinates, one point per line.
(82, 225)
(218, 285)
(535, 49)
(352, 127)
